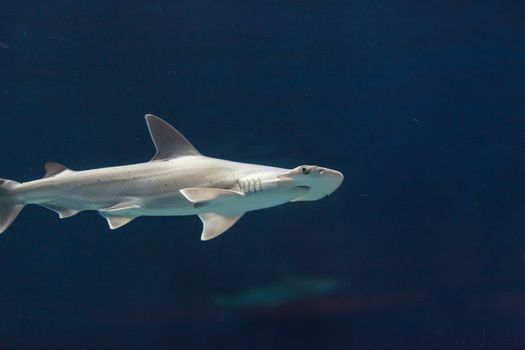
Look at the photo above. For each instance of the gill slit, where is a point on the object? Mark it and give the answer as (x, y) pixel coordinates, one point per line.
(250, 185)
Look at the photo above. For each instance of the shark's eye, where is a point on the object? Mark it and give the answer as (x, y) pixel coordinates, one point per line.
(305, 170)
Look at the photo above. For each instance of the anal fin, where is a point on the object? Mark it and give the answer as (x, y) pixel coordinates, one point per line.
(215, 224)
(62, 212)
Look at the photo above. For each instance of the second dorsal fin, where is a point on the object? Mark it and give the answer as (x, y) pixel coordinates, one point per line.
(53, 168)
(169, 142)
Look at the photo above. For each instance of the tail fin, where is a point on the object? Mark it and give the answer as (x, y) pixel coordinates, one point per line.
(9, 209)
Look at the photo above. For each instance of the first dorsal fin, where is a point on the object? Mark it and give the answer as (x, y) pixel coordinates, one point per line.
(53, 168)
(169, 142)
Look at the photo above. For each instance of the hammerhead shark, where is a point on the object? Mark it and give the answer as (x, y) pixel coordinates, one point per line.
(178, 180)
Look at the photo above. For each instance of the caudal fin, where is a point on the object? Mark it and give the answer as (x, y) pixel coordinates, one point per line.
(9, 209)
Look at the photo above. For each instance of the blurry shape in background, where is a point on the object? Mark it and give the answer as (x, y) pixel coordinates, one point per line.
(287, 290)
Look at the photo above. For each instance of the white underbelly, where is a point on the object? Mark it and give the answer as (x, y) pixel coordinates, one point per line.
(179, 206)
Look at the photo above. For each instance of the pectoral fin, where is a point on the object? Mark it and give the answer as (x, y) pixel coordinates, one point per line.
(200, 196)
(215, 224)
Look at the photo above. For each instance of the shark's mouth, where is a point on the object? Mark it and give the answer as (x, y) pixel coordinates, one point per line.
(301, 191)
(311, 194)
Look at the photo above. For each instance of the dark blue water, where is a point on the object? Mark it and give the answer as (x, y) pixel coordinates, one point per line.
(420, 104)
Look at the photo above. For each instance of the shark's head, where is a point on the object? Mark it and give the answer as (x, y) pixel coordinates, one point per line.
(320, 181)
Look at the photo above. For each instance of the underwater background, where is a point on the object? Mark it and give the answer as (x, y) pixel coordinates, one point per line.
(420, 104)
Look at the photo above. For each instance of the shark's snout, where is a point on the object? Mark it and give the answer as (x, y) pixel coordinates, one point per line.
(334, 179)
(321, 181)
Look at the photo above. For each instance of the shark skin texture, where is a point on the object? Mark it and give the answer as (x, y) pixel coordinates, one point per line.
(178, 180)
